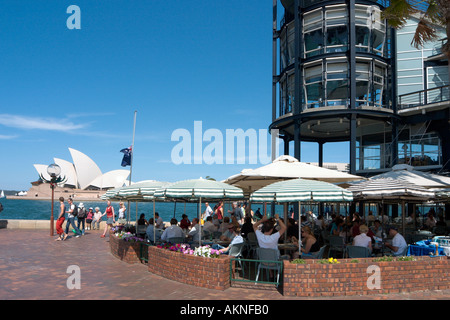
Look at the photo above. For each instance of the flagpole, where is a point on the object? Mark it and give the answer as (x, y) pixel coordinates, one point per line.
(131, 166)
(132, 147)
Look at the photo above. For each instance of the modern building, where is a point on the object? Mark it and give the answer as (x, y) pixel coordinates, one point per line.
(84, 174)
(341, 74)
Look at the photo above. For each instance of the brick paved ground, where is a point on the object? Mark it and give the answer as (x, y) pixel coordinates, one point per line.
(33, 266)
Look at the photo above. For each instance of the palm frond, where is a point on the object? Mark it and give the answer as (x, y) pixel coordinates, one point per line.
(398, 12)
(424, 33)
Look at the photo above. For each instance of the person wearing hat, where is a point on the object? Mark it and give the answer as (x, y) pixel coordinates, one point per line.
(399, 244)
(82, 213)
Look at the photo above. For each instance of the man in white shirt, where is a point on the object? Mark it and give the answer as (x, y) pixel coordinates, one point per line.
(173, 231)
(208, 211)
(265, 237)
(399, 244)
(159, 221)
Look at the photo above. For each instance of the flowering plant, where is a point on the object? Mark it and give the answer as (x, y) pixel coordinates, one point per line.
(205, 251)
(133, 239)
(329, 261)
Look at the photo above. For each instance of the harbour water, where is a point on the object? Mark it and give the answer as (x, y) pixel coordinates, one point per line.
(41, 209)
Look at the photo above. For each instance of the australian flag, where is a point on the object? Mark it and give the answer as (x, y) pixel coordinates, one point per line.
(126, 161)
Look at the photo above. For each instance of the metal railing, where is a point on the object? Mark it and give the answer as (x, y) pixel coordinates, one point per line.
(256, 273)
(424, 97)
(143, 251)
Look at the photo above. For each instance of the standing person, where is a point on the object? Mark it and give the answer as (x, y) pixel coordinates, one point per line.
(71, 213)
(122, 209)
(110, 218)
(219, 211)
(208, 212)
(97, 218)
(60, 221)
(81, 217)
(90, 216)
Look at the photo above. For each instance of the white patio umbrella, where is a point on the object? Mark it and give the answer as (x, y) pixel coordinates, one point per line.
(286, 168)
(301, 190)
(392, 190)
(407, 173)
(198, 189)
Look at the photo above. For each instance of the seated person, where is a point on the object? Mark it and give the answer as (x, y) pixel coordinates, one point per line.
(185, 223)
(173, 231)
(151, 235)
(398, 242)
(194, 233)
(159, 221)
(209, 225)
(224, 225)
(229, 234)
(247, 227)
(266, 237)
(292, 229)
(237, 238)
(363, 240)
(309, 242)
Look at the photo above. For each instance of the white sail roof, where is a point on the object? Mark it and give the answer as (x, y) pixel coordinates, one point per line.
(68, 171)
(87, 170)
(111, 179)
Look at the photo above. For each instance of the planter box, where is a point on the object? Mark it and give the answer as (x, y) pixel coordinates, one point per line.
(211, 273)
(366, 277)
(125, 251)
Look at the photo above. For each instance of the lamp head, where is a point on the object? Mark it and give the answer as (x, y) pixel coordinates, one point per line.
(54, 170)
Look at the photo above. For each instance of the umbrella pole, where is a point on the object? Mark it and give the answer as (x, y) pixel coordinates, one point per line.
(299, 231)
(175, 208)
(403, 217)
(199, 223)
(154, 223)
(136, 214)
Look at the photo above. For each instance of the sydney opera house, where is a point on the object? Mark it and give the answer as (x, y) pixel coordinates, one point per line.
(82, 176)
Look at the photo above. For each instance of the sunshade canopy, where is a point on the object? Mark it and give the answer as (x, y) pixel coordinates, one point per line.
(140, 191)
(286, 168)
(199, 188)
(407, 173)
(301, 190)
(388, 188)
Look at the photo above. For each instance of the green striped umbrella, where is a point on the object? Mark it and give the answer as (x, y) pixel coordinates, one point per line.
(112, 194)
(143, 190)
(199, 188)
(301, 190)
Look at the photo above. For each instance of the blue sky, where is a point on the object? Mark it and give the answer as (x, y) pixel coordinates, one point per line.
(173, 61)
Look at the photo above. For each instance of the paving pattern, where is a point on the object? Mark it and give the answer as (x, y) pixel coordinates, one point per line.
(34, 267)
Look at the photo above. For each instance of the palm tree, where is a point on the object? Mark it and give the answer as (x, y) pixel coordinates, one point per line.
(430, 14)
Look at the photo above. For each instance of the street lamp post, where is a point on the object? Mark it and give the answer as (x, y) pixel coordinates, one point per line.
(54, 171)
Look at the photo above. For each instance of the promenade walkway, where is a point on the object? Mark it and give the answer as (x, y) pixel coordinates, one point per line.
(34, 266)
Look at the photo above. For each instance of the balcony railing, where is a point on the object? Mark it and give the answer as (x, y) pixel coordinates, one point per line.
(424, 97)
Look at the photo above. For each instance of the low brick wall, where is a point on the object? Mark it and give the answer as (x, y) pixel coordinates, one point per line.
(349, 278)
(125, 251)
(211, 273)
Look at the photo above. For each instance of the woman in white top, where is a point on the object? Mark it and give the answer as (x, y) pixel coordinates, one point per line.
(122, 209)
(362, 240)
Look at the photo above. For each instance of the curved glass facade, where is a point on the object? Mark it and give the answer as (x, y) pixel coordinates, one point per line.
(324, 61)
